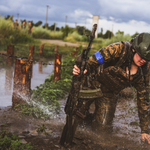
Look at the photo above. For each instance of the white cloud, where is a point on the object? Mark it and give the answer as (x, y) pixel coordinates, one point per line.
(125, 9)
(128, 27)
(78, 14)
(125, 15)
(4, 8)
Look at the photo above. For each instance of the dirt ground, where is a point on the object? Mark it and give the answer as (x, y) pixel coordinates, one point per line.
(121, 138)
(60, 42)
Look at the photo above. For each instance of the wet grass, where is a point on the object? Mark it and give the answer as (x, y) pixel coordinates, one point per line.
(9, 141)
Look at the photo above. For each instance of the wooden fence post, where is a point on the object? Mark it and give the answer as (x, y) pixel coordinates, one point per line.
(30, 59)
(22, 82)
(57, 67)
(40, 67)
(41, 49)
(77, 49)
(56, 49)
(74, 53)
(31, 53)
(10, 54)
(10, 50)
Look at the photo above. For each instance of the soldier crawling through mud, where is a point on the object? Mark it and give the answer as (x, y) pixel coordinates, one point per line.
(123, 64)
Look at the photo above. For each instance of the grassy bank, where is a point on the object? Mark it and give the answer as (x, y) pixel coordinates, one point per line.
(10, 35)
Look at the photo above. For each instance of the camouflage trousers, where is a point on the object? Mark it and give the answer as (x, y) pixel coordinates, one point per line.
(105, 109)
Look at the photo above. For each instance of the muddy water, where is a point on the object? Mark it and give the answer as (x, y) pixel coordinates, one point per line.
(125, 123)
(125, 128)
(39, 74)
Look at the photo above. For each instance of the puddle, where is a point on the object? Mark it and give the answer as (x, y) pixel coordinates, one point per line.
(126, 120)
(39, 74)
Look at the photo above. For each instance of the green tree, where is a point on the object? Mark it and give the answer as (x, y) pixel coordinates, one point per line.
(120, 32)
(52, 27)
(135, 34)
(66, 30)
(80, 30)
(108, 34)
(38, 23)
(9, 17)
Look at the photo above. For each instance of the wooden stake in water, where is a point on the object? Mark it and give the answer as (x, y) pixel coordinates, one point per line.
(10, 54)
(10, 50)
(30, 60)
(57, 67)
(41, 49)
(22, 82)
(56, 49)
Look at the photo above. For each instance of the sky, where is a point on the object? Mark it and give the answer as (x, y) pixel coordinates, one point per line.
(130, 16)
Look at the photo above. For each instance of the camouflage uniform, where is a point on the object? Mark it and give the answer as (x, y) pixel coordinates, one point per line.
(30, 29)
(113, 79)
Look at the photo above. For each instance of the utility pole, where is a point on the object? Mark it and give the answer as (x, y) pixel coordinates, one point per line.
(66, 21)
(85, 26)
(75, 25)
(18, 17)
(55, 26)
(112, 33)
(46, 16)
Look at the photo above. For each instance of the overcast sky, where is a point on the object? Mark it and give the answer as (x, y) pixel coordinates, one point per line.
(129, 16)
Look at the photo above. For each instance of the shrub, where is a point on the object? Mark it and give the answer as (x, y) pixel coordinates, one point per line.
(9, 35)
(39, 32)
(75, 36)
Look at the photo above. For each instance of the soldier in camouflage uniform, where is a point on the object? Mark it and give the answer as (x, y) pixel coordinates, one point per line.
(16, 25)
(122, 64)
(30, 28)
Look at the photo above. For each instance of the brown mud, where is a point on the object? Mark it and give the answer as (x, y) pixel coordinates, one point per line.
(125, 134)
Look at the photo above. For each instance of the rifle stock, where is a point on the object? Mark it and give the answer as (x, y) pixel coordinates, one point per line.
(73, 108)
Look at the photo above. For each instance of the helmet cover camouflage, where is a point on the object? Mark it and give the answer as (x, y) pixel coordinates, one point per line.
(141, 44)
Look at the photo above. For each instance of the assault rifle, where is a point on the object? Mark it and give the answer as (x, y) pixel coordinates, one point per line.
(74, 108)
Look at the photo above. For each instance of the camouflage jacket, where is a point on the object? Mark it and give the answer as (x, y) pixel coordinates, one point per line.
(116, 56)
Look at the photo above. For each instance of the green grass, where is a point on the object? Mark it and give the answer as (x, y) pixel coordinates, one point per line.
(9, 141)
(9, 35)
(41, 33)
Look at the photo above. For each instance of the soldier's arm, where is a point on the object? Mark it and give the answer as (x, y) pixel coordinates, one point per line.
(108, 54)
(143, 102)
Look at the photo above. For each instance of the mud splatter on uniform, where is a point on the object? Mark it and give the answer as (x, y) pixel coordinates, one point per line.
(114, 59)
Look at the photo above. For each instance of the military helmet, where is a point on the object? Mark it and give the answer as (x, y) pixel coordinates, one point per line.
(141, 44)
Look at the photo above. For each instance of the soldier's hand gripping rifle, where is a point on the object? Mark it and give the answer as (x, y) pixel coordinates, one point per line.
(73, 113)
